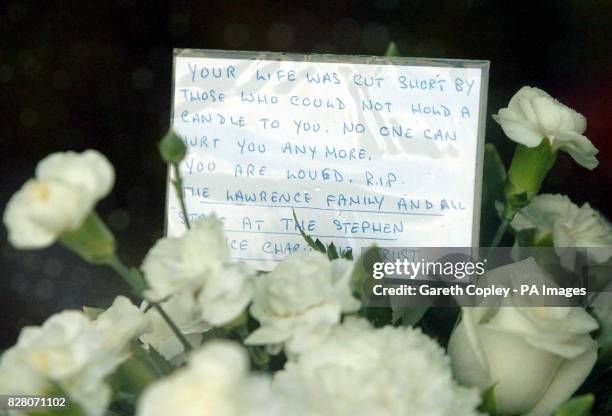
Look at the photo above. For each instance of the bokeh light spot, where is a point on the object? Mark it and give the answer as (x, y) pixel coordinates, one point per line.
(375, 37)
(119, 220)
(6, 73)
(143, 78)
(179, 23)
(61, 79)
(346, 32)
(44, 289)
(236, 35)
(28, 117)
(280, 36)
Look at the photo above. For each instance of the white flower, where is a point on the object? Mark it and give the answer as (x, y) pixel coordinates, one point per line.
(175, 264)
(536, 357)
(121, 323)
(72, 352)
(216, 381)
(16, 377)
(89, 171)
(297, 303)
(533, 115)
(65, 190)
(226, 294)
(186, 313)
(198, 263)
(569, 225)
(360, 370)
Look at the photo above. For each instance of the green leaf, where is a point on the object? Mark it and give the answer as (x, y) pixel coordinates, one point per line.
(578, 406)
(172, 149)
(318, 245)
(488, 404)
(332, 252)
(378, 316)
(603, 314)
(347, 254)
(392, 50)
(308, 238)
(361, 276)
(494, 177)
(137, 372)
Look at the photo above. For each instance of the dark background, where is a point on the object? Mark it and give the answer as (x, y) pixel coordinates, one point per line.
(97, 74)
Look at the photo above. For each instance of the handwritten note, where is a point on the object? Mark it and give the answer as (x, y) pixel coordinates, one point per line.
(365, 150)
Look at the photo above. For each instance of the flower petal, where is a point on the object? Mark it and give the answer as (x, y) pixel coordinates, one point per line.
(528, 110)
(547, 113)
(521, 372)
(468, 359)
(569, 377)
(91, 171)
(520, 132)
(525, 93)
(266, 335)
(579, 148)
(542, 213)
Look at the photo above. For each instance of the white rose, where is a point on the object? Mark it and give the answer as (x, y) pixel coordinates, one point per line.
(536, 357)
(569, 225)
(215, 381)
(226, 294)
(360, 370)
(297, 303)
(175, 264)
(186, 313)
(65, 190)
(533, 115)
(70, 351)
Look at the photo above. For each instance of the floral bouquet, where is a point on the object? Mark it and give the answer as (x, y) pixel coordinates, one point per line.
(200, 335)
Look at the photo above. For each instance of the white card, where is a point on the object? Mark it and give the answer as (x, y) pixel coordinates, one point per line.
(384, 151)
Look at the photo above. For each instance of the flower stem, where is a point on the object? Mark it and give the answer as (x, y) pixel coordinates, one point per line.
(500, 232)
(133, 278)
(186, 345)
(136, 281)
(178, 187)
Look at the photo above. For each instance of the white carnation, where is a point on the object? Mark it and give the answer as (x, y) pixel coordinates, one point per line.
(226, 294)
(186, 313)
(65, 190)
(175, 264)
(72, 352)
(297, 303)
(216, 381)
(198, 263)
(121, 323)
(89, 171)
(360, 370)
(533, 115)
(570, 226)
